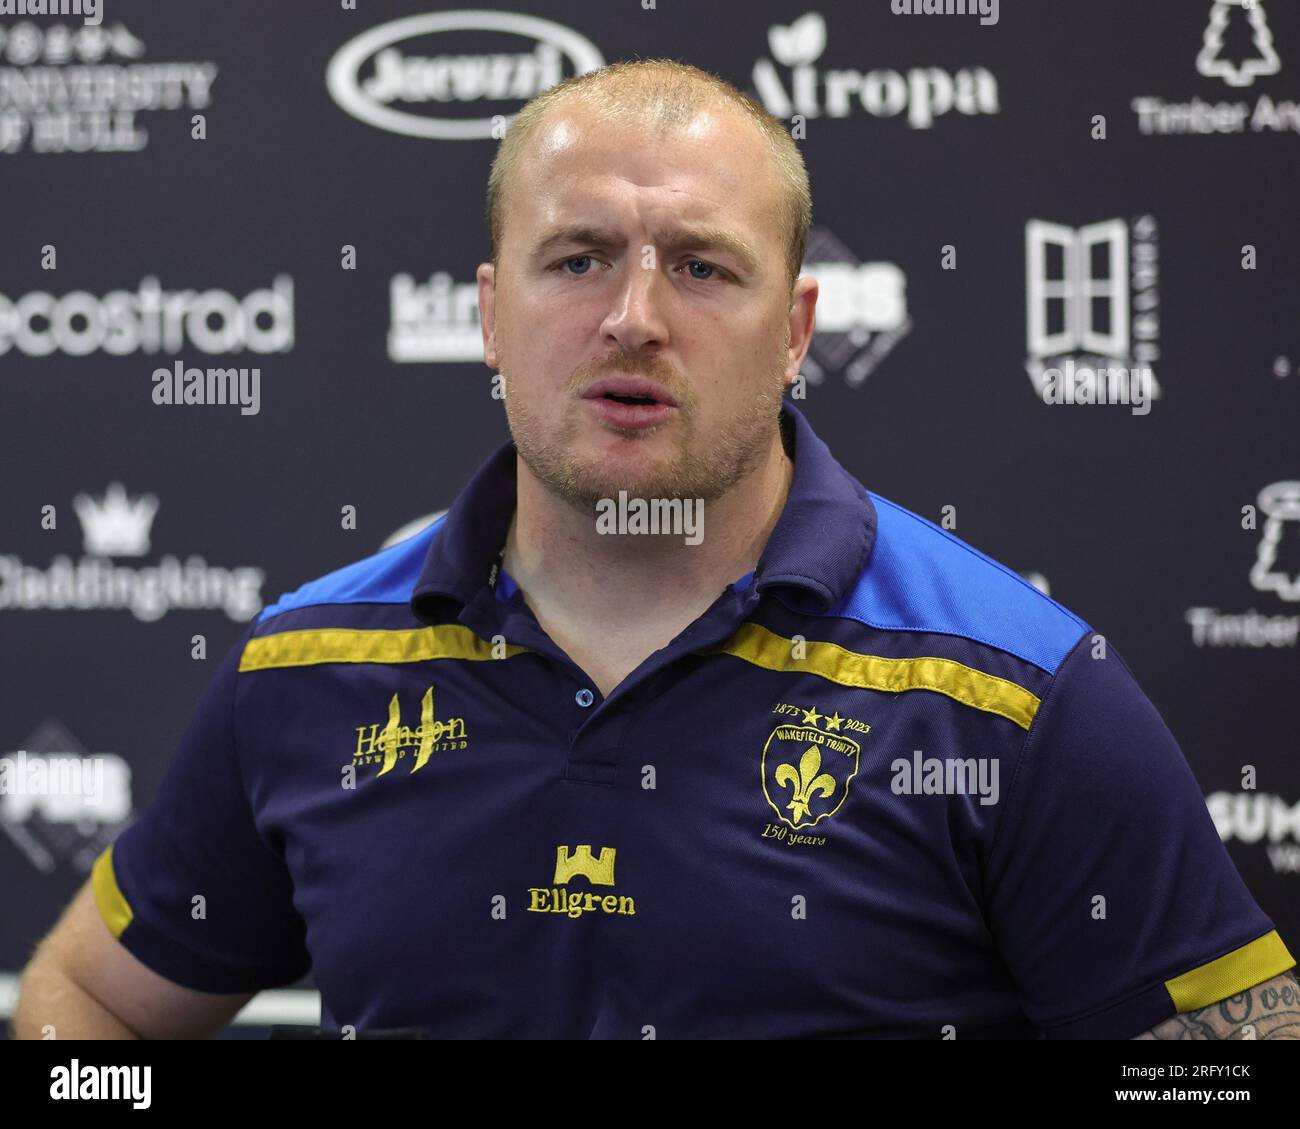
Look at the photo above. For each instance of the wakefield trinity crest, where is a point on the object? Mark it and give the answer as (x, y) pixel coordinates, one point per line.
(808, 763)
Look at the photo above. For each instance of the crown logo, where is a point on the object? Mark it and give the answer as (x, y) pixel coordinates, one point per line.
(599, 871)
(116, 526)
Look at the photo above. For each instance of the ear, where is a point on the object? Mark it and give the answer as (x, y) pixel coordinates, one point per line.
(803, 324)
(486, 276)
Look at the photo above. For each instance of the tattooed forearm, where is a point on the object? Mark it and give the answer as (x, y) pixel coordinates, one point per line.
(1270, 1010)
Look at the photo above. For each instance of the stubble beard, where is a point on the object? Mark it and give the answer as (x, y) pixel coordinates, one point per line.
(700, 468)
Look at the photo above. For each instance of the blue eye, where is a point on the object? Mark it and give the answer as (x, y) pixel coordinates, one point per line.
(586, 260)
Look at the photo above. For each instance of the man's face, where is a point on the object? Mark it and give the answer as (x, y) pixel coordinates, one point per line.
(607, 275)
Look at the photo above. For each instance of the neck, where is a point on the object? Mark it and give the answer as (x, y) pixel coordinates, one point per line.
(564, 564)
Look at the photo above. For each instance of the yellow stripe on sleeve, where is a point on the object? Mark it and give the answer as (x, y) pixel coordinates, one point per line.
(1231, 973)
(113, 906)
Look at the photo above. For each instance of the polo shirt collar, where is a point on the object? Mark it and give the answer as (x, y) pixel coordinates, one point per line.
(820, 544)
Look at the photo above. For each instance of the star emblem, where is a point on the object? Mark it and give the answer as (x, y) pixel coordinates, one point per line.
(835, 721)
(811, 716)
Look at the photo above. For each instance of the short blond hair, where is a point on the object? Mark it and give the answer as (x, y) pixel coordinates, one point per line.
(665, 95)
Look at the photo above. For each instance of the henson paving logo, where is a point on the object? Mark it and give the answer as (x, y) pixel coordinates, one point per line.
(1236, 50)
(597, 871)
(393, 75)
(78, 89)
(920, 96)
(395, 741)
(1275, 571)
(118, 525)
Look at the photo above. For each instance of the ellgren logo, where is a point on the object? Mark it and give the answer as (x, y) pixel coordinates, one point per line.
(399, 83)
(595, 870)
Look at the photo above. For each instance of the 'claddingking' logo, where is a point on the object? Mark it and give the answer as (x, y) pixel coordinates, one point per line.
(119, 525)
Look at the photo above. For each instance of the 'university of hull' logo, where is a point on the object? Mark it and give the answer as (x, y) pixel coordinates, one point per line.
(807, 769)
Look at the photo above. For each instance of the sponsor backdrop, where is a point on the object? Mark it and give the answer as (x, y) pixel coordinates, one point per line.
(1058, 256)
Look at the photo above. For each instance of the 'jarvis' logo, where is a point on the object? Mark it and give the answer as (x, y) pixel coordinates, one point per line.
(394, 740)
(806, 770)
(598, 871)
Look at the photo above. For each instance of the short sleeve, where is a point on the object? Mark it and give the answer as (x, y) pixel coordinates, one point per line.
(197, 838)
(1111, 897)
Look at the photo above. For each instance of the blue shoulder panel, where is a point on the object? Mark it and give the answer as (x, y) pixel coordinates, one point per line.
(386, 577)
(920, 577)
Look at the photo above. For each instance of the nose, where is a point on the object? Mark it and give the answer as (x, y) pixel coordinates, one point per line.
(636, 317)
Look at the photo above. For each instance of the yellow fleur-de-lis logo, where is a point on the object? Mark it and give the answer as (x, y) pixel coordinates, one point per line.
(807, 782)
(806, 770)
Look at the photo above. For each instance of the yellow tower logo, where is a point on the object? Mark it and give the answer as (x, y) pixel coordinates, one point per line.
(597, 871)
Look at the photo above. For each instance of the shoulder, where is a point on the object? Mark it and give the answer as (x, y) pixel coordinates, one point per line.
(924, 579)
(385, 577)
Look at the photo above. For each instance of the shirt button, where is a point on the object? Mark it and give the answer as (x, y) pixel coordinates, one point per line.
(584, 697)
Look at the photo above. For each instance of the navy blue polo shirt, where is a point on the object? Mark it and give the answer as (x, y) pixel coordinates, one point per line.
(882, 787)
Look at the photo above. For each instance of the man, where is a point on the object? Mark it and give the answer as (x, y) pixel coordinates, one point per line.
(817, 768)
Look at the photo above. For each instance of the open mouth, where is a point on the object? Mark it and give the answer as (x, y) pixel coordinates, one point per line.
(630, 405)
(630, 392)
